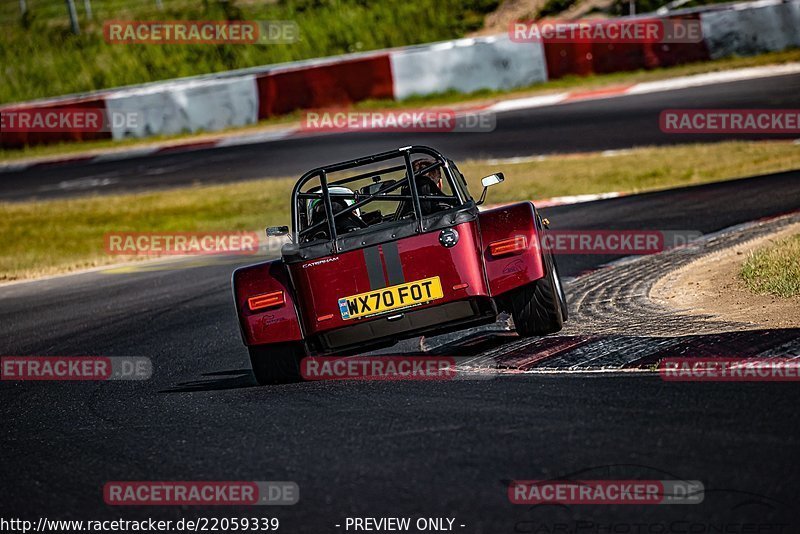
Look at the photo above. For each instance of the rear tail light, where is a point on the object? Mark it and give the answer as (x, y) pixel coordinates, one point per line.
(508, 246)
(267, 300)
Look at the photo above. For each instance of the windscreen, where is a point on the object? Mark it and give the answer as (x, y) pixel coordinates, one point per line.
(374, 195)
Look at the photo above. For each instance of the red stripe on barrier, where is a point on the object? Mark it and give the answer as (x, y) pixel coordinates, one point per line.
(334, 84)
(598, 93)
(66, 161)
(188, 146)
(11, 139)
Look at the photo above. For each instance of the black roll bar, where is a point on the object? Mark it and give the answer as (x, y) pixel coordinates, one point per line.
(322, 173)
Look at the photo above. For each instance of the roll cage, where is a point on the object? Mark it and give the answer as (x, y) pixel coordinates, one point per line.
(299, 197)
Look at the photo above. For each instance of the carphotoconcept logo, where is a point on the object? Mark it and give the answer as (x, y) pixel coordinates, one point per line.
(200, 493)
(607, 31)
(180, 243)
(407, 120)
(74, 368)
(201, 32)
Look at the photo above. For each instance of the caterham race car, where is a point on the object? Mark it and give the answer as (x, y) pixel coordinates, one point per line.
(387, 247)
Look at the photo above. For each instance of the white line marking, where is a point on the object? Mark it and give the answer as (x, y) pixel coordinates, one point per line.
(11, 167)
(682, 82)
(529, 102)
(576, 199)
(515, 160)
(612, 153)
(712, 78)
(79, 184)
(251, 139)
(126, 154)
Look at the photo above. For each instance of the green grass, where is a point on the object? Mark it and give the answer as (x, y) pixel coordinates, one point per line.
(445, 99)
(775, 270)
(47, 237)
(40, 57)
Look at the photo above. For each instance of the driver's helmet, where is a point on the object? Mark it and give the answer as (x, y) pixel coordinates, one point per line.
(342, 202)
(435, 174)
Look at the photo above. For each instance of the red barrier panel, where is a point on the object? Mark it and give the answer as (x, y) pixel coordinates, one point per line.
(622, 57)
(334, 84)
(582, 58)
(12, 139)
(567, 58)
(677, 53)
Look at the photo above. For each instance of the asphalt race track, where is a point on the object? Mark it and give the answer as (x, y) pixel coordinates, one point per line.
(614, 123)
(432, 449)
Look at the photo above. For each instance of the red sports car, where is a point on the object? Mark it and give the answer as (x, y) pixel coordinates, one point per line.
(387, 247)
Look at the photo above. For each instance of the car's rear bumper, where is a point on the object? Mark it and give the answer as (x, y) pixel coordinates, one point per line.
(388, 329)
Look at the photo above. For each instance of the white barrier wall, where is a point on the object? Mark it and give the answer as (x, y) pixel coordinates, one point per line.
(752, 29)
(173, 108)
(467, 65)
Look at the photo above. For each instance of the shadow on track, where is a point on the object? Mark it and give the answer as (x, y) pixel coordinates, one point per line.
(231, 379)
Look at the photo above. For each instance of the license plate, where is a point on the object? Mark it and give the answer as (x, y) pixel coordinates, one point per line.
(391, 298)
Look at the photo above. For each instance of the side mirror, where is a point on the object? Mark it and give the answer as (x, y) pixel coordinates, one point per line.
(488, 181)
(277, 231)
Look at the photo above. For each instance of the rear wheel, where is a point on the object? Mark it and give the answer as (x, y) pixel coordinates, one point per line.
(277, 363)
(562, 297)
(540, 308)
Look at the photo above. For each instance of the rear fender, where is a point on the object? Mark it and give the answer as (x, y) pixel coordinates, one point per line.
(510, 271)
(270, 325)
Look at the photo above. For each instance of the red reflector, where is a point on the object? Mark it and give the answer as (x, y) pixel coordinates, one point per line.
(324, 317)
(267, 300)
(507, 246)
(461, 286)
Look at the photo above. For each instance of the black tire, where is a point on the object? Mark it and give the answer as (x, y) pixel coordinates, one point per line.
(537, 308)
(277, 363)
(562, 297)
